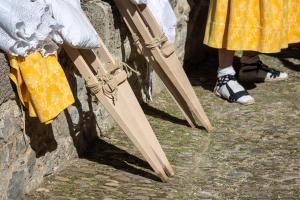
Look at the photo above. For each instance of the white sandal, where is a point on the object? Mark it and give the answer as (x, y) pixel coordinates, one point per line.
(259, 72)
(241, 96)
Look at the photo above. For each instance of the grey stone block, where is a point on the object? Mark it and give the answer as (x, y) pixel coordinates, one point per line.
(16, 186)
(6, 91)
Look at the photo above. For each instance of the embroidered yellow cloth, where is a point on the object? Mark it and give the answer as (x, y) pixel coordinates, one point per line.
(42, 85)
(258, 25)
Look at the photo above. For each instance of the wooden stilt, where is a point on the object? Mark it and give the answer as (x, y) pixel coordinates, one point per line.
(151, 137)
(124, 110)
(139, 115)
(162, 57)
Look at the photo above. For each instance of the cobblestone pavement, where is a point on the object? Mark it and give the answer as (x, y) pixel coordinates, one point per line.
(254, 152)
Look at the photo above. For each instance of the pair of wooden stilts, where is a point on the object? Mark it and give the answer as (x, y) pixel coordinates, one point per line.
(108, 82)
(160, 53)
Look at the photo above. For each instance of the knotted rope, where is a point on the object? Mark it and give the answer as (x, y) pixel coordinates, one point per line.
(110, 91)
(129, 70)
(104, 81)
(22, 110)
(156, 42)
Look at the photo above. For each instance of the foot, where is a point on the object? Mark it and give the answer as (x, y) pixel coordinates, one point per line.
(228, 87)
(259, 72)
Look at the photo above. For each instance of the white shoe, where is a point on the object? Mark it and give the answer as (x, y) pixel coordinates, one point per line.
(259, 72)
(228, 87)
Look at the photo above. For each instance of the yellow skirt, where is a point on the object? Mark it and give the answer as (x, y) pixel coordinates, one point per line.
(42, 85)
(256, 25)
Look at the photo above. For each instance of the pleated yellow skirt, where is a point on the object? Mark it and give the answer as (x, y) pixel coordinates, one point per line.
(256, 25)
(42, 85)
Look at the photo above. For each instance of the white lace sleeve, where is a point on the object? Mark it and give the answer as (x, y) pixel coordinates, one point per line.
(30, 27)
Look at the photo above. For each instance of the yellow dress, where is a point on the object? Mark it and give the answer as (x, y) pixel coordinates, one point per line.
(258, 25)
(42, 85)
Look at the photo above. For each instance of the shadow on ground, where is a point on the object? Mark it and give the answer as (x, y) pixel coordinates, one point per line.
(102, 152)
(160, 114)
(290, 57)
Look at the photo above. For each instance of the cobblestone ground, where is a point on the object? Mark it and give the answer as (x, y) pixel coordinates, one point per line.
(253, 153)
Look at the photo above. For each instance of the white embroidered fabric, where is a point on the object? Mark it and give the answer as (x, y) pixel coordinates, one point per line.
(42, 25)
(28, 26)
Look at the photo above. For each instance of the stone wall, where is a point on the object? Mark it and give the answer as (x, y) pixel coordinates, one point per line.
(30, 151)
